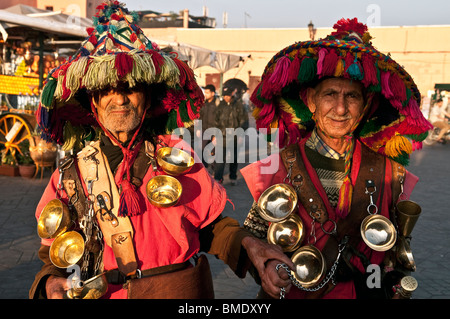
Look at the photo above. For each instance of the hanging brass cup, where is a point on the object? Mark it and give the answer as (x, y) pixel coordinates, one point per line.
(277, 202)
(54, 219)
(404, 254)
(164, 191)
(378, 232)
(309, 265)
(93, 288)
(288, 233)
(67, 249)
(174, 161)
(408, 213)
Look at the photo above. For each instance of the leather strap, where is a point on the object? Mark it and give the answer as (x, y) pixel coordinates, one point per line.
(117, 230)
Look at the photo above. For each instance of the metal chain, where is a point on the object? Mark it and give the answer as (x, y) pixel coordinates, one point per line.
(329, 276)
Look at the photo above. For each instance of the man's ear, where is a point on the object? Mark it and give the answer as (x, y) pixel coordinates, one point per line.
(310, 99)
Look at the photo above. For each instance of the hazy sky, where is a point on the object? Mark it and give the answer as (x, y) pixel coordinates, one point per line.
(298, 13)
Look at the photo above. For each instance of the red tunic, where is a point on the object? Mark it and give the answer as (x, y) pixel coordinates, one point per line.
(164, 236)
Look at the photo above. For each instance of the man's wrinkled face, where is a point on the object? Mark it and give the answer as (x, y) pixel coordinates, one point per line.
(337, 104)
(120, 110)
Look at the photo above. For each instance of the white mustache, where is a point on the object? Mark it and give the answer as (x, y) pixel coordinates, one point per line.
(127, 107)
(339, 118)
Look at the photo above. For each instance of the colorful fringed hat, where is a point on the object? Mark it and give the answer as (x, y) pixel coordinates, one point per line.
(394, 125)
(116, 50)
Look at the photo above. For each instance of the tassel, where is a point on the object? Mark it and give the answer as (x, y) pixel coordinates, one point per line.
(279, 76)
(322, 54)
(308, 70)
(129, 200)
(158, 61)
(340, 66)
(48, 92)
(294, 69)
(385, 89)
(329, 64)
(370, 70)
(397, 87)
(123, 64)
(354, 70)
(345, 198)
(398, 145)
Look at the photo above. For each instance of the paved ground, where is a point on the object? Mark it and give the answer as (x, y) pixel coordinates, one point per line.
(19, 241)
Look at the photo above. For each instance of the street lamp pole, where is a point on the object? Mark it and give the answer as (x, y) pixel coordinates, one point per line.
(312, 31)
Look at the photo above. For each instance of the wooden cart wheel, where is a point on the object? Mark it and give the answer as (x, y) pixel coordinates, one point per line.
(14, 129)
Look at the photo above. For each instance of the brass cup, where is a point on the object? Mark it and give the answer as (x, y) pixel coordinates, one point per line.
(408, 213)
(174, 161)
(164, 191)
(54, 219)
(288, 233)
(277, 202)
(67, 249)
(378, 232)
(309, 265)
(404, 254)
(93, 288)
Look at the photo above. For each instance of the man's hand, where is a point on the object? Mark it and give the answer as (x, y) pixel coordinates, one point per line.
(265, 258)
(56, 287)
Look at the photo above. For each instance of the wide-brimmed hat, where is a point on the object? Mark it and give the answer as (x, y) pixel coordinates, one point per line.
(116, 50)
(393, 125)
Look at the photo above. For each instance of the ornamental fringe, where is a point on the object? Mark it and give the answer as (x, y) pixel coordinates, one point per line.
(95, 73)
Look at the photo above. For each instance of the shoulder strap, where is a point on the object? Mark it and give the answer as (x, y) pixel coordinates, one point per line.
(299, 178)
(117, 230)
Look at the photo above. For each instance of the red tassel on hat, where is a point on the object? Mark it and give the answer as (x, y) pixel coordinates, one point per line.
(158, 61)
(370, 70)
(294, 69)
(322, 54)
(330, 63)
(397, 87)
(123, 64)
(279, 77)
(385, 89)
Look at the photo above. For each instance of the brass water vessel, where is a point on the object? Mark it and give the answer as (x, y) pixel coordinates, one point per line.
(408, 213)
(277, 202)
(174, 161)
(54, 219)
(93, 288)
(67, 249)
(164, 191)
(404, 254)
(310, 266)
(288, 234)
(378, 232)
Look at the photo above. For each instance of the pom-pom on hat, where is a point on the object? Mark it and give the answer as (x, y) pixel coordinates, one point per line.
(394, 125)
(115, 50)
